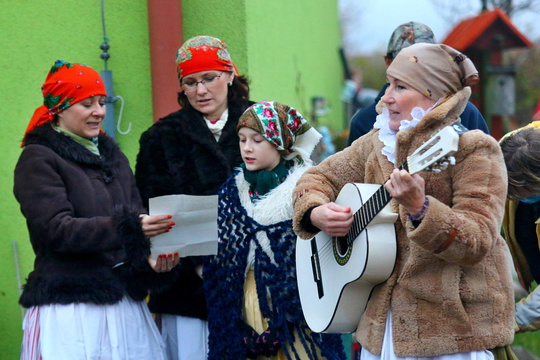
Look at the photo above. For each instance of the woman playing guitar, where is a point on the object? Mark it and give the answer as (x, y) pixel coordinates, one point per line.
(449, 295)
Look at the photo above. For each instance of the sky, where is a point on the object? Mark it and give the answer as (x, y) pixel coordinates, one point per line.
(368, 24)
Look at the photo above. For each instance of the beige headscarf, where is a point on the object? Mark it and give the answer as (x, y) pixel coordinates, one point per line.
(434, 70)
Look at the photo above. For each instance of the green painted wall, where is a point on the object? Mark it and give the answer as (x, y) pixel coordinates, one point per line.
(289, 49)
(34, 34)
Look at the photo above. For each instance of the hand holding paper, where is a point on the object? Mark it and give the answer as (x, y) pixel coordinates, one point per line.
(195, 230)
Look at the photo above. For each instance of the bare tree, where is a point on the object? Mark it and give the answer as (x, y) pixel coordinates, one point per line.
(511, 7)
(454, 11)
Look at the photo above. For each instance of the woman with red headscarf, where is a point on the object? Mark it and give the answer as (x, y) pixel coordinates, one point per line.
(85, 296)
(193, 151)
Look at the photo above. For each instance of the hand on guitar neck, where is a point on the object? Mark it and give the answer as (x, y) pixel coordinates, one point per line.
(333, 219)
(407, 189)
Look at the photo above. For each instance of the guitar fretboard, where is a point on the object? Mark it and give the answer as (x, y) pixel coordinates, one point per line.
(369, 210)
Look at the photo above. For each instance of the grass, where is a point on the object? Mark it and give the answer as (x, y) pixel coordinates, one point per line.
(528, 340)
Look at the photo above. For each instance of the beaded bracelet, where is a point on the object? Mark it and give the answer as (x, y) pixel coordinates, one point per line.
(422, 212)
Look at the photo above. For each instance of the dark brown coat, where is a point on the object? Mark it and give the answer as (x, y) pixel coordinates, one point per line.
(179, 155)
(82, 213)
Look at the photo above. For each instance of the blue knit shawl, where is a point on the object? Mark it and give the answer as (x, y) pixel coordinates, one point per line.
(224, 277)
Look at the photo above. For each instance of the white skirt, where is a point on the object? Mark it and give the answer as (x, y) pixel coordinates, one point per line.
(185, 338)
(123, 331)
(387, 352)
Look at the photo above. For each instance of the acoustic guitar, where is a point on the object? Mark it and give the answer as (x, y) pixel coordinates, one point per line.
(336, 275)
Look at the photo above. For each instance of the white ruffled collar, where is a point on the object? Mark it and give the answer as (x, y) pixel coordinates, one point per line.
(217, 127)
(388, 136)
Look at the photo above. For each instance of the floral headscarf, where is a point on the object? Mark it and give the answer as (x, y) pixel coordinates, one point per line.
(203, 53)
(283, 127)
(65, 85)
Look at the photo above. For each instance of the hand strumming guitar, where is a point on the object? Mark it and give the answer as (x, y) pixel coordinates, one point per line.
(333, 219)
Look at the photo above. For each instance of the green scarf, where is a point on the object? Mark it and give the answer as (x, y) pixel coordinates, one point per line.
(262, 181)
(90, 144)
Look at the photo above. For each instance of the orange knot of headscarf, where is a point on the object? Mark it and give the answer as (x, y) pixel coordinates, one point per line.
(66, 84)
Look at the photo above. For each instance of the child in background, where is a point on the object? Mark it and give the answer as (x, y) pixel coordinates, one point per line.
(252, 295)
(521, 224)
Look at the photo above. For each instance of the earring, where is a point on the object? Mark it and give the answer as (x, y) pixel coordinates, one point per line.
(230, 83)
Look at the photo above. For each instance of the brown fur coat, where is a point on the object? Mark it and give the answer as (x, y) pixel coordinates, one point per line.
(451, 287)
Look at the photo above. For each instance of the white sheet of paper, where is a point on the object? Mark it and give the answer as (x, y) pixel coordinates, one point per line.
(195, 232)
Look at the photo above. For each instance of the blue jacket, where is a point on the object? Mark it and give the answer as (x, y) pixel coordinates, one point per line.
(362, 122)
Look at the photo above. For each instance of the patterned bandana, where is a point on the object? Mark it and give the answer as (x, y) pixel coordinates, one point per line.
(434, 70)
(408, 34)
(203, 53)
(283, 126)
(65, 85)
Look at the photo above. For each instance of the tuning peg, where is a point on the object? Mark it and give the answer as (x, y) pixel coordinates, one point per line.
(452, 160)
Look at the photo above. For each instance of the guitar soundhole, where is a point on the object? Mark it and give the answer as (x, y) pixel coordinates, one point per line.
(341, 243)
(342, 250)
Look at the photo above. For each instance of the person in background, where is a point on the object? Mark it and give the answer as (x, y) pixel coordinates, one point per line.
(254, 306)
(406, 35)
(193, 151)
(450, 294)
(521, 225)
(92, 270)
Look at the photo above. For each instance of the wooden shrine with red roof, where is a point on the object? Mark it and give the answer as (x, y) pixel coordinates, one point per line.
(484, 39)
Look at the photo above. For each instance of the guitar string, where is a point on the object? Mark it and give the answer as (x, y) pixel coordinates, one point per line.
(362, 218)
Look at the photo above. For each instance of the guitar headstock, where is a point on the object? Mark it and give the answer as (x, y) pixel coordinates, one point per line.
(436, 153)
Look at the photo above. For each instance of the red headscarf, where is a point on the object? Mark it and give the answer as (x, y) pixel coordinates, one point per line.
(203, 53)
(65, 85)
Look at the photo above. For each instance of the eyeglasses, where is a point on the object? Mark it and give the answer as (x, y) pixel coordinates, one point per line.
(209, 82)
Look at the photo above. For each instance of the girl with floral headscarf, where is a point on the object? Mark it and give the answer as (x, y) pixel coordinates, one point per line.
(193, 151)
(86, 293)
(253, 303)
(450, 294)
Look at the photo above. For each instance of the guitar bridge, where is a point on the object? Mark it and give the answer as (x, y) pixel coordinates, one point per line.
(316, 268)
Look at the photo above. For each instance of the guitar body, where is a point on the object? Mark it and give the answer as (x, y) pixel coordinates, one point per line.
(335, 280)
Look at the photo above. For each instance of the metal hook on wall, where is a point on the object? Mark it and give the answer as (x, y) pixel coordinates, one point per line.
(109, 121)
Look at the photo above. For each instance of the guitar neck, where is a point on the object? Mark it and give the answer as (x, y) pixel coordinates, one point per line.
(370, 209)
(367, 212)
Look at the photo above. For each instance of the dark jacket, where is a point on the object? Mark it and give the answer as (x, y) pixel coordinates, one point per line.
(82, 212)
(362, 122)
(179, 155)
